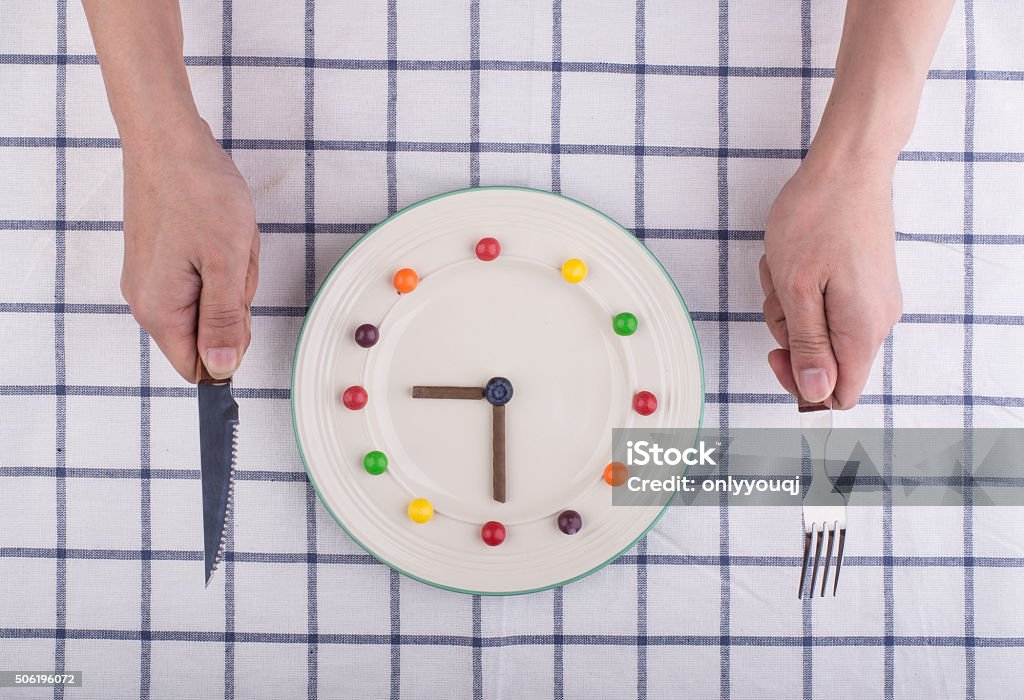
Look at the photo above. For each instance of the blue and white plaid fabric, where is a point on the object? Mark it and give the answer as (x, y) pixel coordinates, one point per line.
(681, 120)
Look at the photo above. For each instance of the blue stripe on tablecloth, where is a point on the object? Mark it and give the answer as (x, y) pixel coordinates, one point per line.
(298, 558)
(357, 64)
(807, 620)
(556, 96)
(558, 596)
(474, 92)
(888, 671)
(723, 340)
(309, 131)
(515, 147)
(228, 566)
(60, 374)
(146, 573)
(968, 360)
(392, 138)
(392, 177)
(558, 633)
(449, 640)
(312, 661)
(639, 193)
(358, 229)
(478, 662)
(269, 476)
(709, 397)
(395, 639)
(640, 121)
(474, 181)
(805, 80)
(697, 315)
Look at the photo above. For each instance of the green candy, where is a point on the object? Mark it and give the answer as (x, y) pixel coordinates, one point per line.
(375, 462)
(624, 323)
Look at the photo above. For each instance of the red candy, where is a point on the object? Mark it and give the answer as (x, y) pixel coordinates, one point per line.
(488, 249)
(354, 398)
(492, 533)
(645, 403)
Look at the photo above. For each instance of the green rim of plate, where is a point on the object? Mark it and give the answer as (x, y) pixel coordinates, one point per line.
(302, 331)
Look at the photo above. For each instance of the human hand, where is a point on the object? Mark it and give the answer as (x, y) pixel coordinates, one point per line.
(829, 278)
(191, 250)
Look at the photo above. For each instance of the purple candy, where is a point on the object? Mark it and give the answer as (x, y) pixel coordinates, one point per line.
(570, 522)
(367, 335)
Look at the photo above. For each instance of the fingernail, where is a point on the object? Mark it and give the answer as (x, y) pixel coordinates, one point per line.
(813, 384)
(221, 363)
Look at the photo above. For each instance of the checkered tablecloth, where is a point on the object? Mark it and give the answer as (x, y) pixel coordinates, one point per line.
(681, 120)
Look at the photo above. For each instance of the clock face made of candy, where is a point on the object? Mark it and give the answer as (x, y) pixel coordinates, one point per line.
(458, 378)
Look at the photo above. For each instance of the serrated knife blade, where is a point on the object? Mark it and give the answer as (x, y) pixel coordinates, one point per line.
(218, 442)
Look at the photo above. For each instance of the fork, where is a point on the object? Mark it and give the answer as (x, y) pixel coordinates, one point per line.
(824, 507)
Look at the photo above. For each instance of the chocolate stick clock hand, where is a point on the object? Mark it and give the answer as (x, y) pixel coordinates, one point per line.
(498, 453)
(447, 392)
(498, 392)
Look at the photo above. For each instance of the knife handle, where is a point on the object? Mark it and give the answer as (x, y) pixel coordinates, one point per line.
(203, 376)
(803, 406)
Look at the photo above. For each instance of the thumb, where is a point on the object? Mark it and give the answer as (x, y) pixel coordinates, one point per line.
(223, 323)
(810, 346)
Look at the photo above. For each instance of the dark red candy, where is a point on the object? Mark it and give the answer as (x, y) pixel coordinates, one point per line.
(645, 403)
(488, 249)
(492, 533)
(367, 335)
(354, 398)
(570, 522)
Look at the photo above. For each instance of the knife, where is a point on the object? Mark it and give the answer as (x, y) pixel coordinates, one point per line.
(218, 442)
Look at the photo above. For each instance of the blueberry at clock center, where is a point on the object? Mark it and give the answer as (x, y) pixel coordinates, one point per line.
(498, 391)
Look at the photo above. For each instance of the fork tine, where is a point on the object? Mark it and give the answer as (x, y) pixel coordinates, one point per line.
(803, 567)
(839, 560)
(828, 558)
(817, 557)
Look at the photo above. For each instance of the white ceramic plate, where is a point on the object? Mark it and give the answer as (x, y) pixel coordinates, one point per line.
(467, 321)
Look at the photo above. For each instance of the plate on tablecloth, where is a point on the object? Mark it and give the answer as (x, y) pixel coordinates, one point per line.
(469, 320)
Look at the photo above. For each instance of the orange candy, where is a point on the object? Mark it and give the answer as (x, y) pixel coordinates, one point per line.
(405, 280)
(616, 473)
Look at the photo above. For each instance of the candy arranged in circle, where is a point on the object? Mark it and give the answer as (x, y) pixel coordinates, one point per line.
(405, 280)
(492, 533)
(574, 270)
(367, 335)
(616, 474)
(375, 462)
(354, 398)
(645, 403)
(420, 510)
(570, 522)
(624, 323)
(488, 249)
(498, 391)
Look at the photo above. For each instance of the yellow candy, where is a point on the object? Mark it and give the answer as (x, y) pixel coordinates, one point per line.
(420, 510)
(574, 270)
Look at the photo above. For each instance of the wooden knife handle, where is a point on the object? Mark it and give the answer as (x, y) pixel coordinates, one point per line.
(807, 407)
(203, 376)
